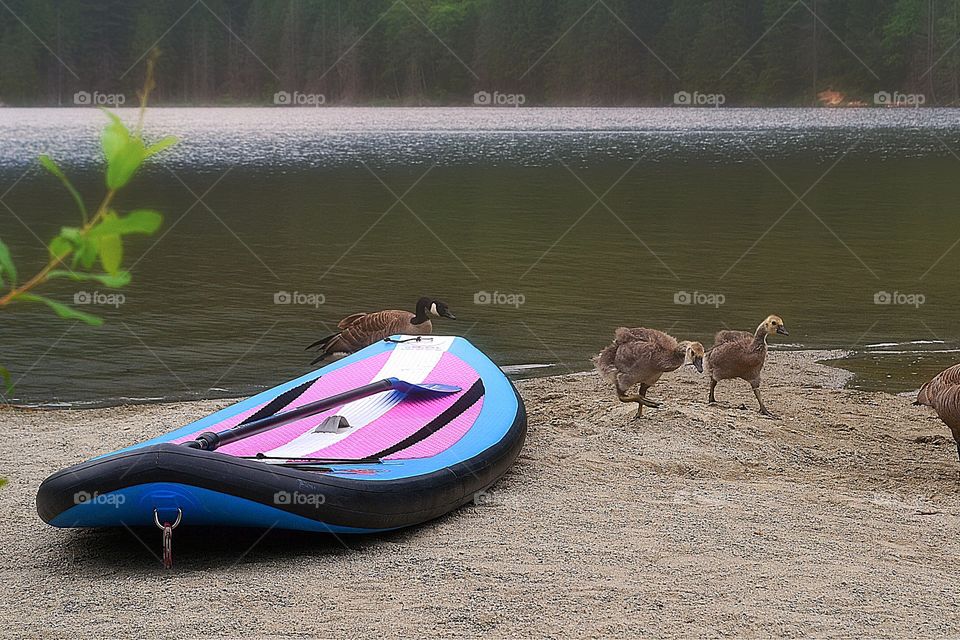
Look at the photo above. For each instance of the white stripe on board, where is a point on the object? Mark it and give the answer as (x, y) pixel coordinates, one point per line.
(409, 361)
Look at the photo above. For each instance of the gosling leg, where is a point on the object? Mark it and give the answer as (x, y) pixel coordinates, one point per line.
(643, 394)
(763, 408)
(713, 398)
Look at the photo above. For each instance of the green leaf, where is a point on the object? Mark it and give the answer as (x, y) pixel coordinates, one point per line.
(3, 482)
(87, 253)
(114, 281)
(60, 247)
(6, 265)
(71, 239)
(85, 247)
(142, 221)
(87, 250)
(53, 168)
(111, 253)
(62, 310)
(160, 145)
(72, 234)
(115, 135)
(124, 162)
(8, 384)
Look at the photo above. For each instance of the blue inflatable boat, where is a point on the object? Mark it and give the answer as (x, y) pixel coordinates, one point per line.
(392, 436)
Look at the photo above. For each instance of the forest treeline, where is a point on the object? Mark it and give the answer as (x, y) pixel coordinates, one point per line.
(547, 52)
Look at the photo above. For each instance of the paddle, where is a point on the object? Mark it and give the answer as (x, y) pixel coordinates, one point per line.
(211, 440)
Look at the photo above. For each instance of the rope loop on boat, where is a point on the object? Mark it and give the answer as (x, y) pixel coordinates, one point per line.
(167, 529)
(413, 339)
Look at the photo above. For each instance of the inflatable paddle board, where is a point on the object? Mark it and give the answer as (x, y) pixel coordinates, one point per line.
(392, 459)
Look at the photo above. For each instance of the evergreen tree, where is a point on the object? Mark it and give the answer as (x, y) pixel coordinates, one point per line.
(615, 52)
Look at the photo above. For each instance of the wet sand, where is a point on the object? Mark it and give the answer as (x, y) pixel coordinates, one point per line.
(840, 519)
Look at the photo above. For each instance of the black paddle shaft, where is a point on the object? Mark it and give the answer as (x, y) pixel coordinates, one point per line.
(210, 440)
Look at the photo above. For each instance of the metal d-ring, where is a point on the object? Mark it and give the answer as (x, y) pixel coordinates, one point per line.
(156, 519)
(167, 529)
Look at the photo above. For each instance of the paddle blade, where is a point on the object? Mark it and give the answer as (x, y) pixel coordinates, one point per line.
(426, 387)
(436, 387)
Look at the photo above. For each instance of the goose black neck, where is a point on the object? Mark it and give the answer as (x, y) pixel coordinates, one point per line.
(422, 305)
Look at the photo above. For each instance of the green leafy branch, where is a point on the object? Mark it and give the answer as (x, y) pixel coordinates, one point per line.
(76, 250)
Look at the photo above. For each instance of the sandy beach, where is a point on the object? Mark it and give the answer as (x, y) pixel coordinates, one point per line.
(840, 519)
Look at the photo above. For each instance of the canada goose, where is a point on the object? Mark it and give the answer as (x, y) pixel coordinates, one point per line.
(942, 393)
(738, 354)
(643, 355)
(361, 329)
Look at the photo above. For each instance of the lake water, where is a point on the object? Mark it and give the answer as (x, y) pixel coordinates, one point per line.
(578, 220)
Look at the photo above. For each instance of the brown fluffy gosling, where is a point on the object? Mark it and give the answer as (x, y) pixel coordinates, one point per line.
(643, 355)
(739, 354)
(942, 393)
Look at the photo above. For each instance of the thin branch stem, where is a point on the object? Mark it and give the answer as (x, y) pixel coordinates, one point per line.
(41, 275)
(102, 210)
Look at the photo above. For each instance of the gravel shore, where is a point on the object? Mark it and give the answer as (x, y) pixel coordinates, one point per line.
(840, 519)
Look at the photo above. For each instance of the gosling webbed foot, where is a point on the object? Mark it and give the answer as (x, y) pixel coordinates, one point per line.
(763, 408)
(640, 406)
(639, 399)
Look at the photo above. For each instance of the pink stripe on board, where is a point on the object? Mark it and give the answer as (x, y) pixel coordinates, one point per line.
(409, 416)
(442, 439)
(343, 379)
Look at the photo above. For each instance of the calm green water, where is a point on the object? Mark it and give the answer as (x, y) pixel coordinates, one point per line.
(500, 200)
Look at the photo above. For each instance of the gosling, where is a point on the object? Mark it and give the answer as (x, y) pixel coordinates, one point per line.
(942, 393)
(739, 354)
(643, 355)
